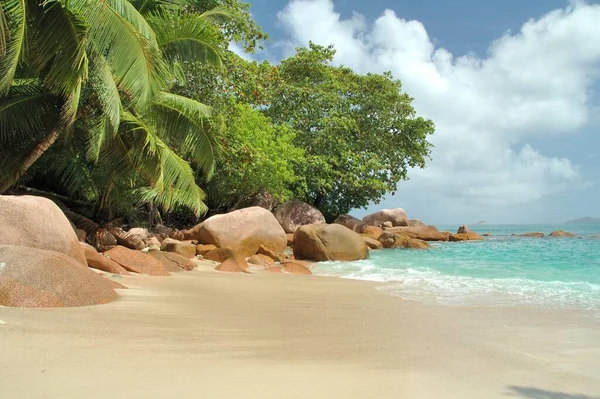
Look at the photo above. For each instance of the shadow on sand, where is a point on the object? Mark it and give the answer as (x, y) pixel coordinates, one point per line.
(535, 393)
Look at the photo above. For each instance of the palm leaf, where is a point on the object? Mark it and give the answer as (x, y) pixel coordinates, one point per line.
(26, 110)
(103, 84)
(174, 184)
(188, 124)
(120, 33)
(13, 34)
(187, 36)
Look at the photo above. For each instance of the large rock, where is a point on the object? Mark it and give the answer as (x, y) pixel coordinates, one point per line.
(464, 229)
(372, 243)
(350, 222)
(243, 231)
(372, 231)
(470, 236)
(136, 261)
(101, 262)
(295, 268)
(390, 240)
(186, 249)
(384, 215)
(562, 233)
(37, 222)
(295, 213)
(31, 277)
(322, 242)
(261, 260)
(425, 233)
(173, 262)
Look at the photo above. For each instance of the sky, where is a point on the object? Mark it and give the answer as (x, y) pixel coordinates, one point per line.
(512, 86)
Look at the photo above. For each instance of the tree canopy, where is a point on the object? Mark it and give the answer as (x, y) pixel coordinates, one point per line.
(140, 102)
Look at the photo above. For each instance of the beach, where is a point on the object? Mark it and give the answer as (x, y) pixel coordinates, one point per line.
(218, 335)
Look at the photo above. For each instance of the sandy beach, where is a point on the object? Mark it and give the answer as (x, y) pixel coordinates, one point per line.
(205, 334)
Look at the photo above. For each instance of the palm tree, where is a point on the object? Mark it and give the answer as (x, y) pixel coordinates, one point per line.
(102, 70)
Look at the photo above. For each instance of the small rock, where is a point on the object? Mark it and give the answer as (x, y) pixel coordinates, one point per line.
(261, 260)
(295, 268)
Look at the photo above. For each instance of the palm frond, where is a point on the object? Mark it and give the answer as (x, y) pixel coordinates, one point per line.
(13, 34)
(120, 33)
(175, 183)
(188, 123)
(3, 31)
(187, 36)
(26, 110)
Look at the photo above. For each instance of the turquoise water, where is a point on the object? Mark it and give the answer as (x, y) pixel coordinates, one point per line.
(499, 271)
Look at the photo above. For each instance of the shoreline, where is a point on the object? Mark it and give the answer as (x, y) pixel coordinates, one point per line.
(211, 334)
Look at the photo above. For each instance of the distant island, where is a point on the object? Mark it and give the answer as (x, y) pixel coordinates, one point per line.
(585, 220)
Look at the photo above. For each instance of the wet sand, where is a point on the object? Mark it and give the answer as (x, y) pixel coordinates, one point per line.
(206, 334)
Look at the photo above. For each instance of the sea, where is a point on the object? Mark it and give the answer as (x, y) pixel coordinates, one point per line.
(501, 270)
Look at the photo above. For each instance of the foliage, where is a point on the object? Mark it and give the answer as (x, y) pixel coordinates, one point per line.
(360, 133)
(101, 72)
(257, 157)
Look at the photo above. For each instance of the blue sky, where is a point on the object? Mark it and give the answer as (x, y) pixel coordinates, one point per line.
(513, 87)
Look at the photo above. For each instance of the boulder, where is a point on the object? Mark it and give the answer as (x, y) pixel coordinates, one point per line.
(127, 240)
(202, 249)
(384, 215)
(425, 233)
(261, 260)
(390, 240)
(153, 244)
(263, 250)
(399, 221)
(177, 235)
(561, 233)
(295, 268)
(387, 225)
(81, 234)
(185, 249)
(104, 240)
(415, 222)
(470, 236)
(140, 232)
(350, 222)
(220, 255)
(290, 239)
(295, 213)
(372, 231)
(372, 243)
(101, 262)
(243, 231)
(136, 261)
(322, 242)
(237, 264)
(37, 222)
(173, 262)
(533, 235)
(36, 278)
(464, 229)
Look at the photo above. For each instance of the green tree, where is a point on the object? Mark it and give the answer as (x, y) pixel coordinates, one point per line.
(257, 157)
(102, 72)
(360, 133)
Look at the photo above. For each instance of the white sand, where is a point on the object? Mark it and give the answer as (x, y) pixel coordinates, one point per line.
(212, 335)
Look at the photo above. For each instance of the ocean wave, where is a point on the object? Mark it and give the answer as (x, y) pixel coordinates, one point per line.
(431, 286)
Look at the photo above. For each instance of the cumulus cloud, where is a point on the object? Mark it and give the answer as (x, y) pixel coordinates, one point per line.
(532, 83)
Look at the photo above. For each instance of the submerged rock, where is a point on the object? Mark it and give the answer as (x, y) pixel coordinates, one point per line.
(561, 233)
(425, 233)
(470, 236)
(534, 235)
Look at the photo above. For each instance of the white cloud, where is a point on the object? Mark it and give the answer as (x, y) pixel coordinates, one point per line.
(531, 84)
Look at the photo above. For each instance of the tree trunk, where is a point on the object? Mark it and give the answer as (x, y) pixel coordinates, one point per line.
(30, 158)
